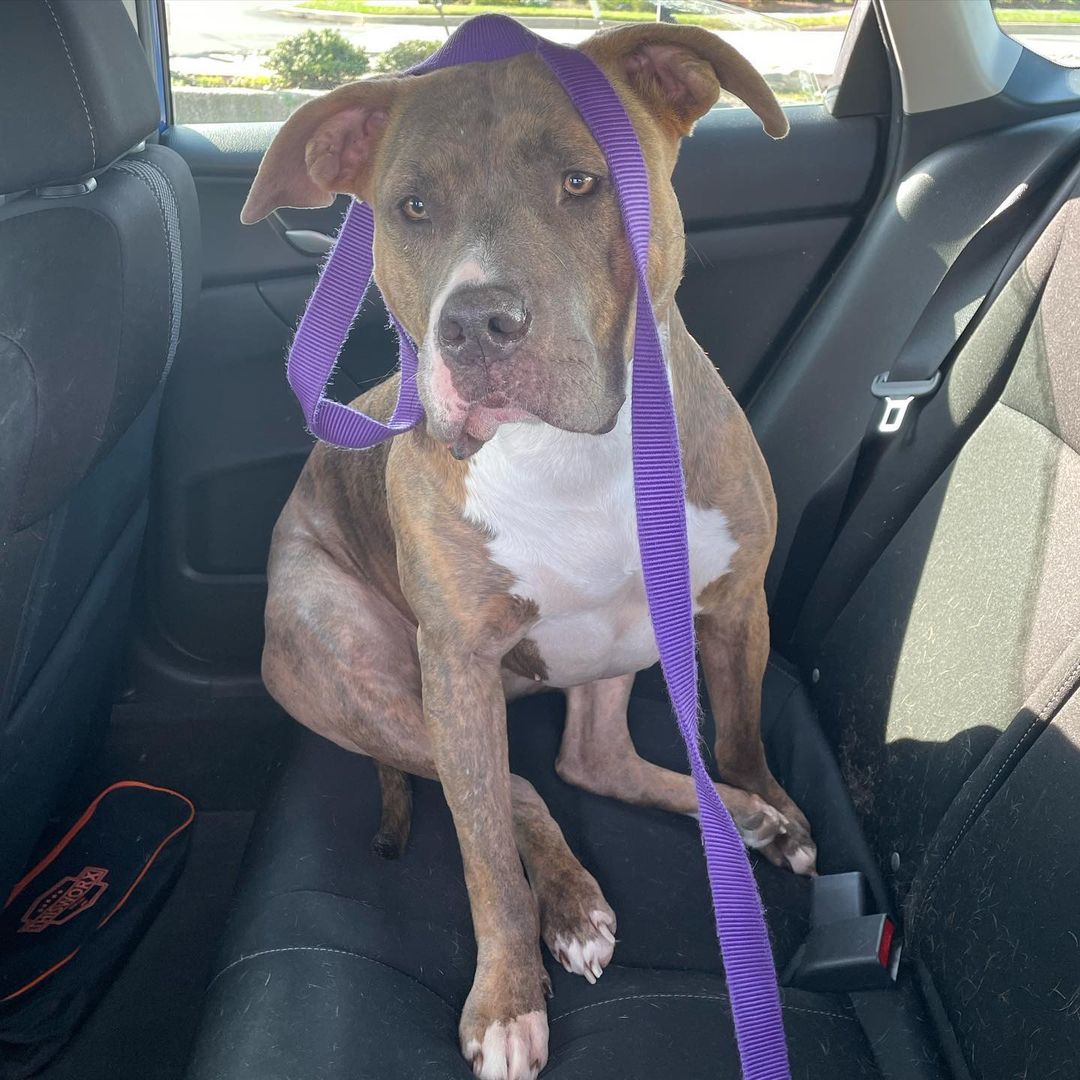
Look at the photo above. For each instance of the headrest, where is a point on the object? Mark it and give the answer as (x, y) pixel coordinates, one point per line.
(75, 90)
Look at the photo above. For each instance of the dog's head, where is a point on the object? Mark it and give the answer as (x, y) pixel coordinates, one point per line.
(498, 242)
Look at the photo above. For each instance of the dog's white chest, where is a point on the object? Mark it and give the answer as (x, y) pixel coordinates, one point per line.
(559, 510)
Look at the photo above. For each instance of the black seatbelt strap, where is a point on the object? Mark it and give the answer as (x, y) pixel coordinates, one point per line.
(969, 288)
(971, 285)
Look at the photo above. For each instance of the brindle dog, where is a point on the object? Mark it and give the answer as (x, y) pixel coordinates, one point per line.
(418, 586)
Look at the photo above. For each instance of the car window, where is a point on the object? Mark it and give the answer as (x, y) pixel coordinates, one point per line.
(1050, 28)
(237, 60)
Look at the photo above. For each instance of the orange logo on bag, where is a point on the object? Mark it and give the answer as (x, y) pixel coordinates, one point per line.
(66, 899)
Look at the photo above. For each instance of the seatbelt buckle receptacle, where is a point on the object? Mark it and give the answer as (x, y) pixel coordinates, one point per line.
(848, 947)
(898, 396)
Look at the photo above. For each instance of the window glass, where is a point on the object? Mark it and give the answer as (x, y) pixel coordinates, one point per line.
(1050, 28)
(238, 60)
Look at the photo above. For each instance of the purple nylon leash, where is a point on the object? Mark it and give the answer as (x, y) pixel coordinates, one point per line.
(658, 487)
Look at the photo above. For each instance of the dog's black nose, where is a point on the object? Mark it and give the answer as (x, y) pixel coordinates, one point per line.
(480, 325)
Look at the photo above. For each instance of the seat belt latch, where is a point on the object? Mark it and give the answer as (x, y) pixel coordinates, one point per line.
(898, 396)
(846, 949)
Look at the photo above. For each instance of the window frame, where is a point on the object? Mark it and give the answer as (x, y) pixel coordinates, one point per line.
(153, 33)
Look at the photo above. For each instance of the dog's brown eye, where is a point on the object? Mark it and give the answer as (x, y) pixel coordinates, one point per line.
(578, 183)
(414, 209)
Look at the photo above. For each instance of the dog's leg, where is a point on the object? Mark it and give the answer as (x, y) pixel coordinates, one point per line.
(341, 660)
(503, 1026)
(733, 639)
(396, 819)
(344, 662)
(576, 923)
(597, 754)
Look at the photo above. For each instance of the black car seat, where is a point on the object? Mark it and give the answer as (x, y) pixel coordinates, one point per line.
(944, 676)
(944, 667)
(99, 255)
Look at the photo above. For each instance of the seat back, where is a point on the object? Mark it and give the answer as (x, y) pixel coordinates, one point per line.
(947, 678)
(99, 255)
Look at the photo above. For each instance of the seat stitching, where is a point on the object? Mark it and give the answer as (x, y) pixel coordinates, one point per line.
(13, 520)
(694, 997)
(1040, 717)
(554, 1020)
(152, 176)
(336, 952)
(819, 1012)
(326, 892)
(78, 85)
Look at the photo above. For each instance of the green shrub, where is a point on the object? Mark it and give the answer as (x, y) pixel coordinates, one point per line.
(317, 60)
(223, 82)
(405, 55)
(627, 5)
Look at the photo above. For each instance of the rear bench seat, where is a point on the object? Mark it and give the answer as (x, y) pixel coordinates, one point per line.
(945, 678)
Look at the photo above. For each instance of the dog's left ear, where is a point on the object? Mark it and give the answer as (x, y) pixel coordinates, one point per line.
(679, 71)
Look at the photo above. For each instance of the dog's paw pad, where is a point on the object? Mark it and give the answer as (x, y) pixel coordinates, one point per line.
(514, 1050)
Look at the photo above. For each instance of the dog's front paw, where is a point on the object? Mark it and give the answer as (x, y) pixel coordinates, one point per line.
(773, 826)
(793, 846)
(504, 1028)
(759, 824)
(585, 945)
(795, 850)
(576, 923)
(515, 1049)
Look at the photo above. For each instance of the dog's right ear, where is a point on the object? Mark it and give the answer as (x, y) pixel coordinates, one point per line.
(326, 147)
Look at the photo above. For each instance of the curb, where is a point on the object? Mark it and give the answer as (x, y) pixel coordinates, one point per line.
(555, 22)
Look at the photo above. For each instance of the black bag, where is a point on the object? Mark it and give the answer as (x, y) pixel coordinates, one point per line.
(74, 918)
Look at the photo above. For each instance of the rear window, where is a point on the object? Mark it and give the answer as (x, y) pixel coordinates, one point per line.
(234, 60)
(1050, 28)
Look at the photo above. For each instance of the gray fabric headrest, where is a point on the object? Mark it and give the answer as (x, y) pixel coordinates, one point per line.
(75, 90)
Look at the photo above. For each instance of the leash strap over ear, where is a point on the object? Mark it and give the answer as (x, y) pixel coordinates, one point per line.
(658, 487)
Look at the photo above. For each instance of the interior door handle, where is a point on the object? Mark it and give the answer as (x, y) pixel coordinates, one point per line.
(309, 242)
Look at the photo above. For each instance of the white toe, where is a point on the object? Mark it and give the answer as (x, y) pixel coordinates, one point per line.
(590, 953)
(802, 859)
(512, 1051)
